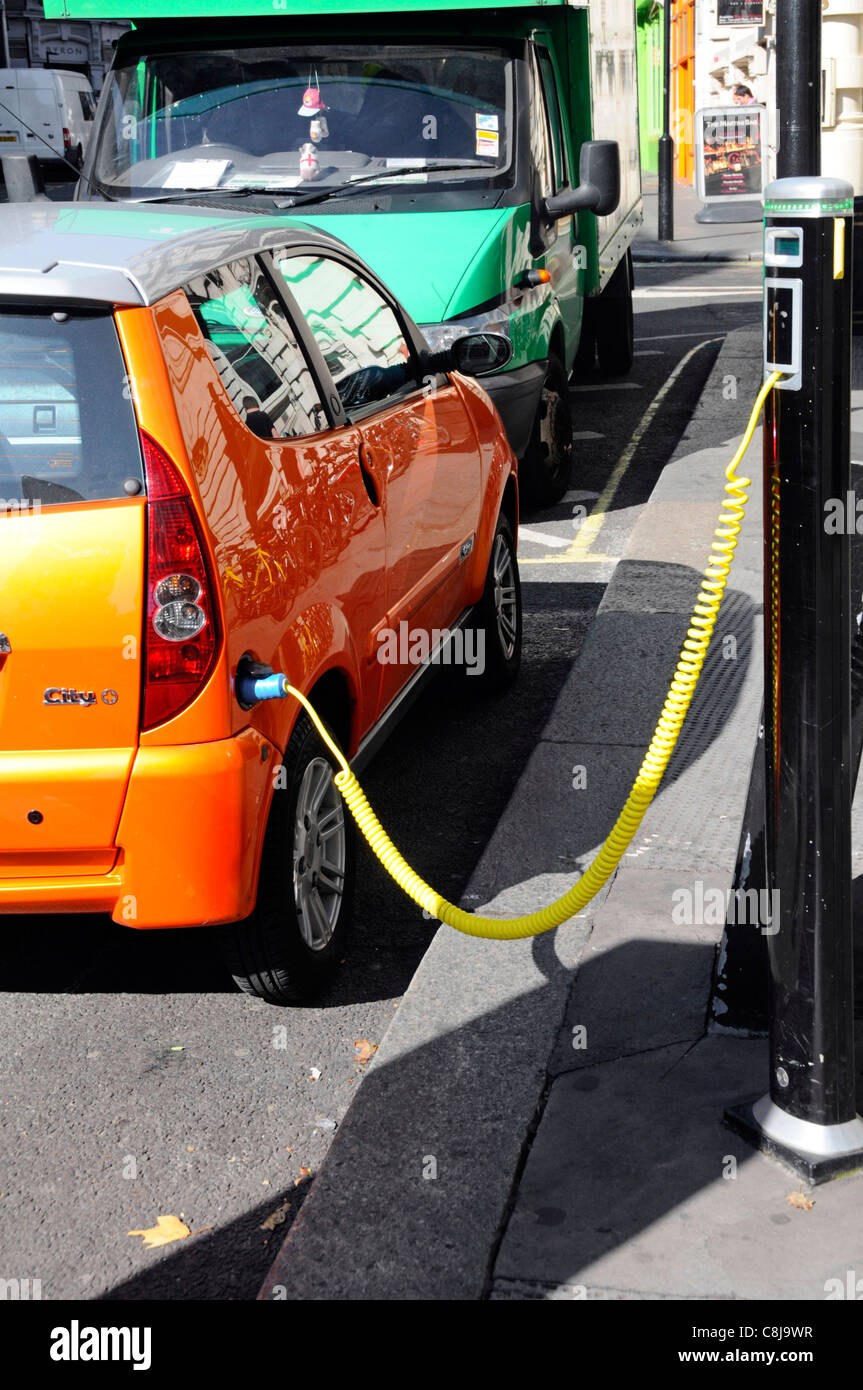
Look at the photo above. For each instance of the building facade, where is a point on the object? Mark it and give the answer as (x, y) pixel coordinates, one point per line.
(731, 53)
(31, 40)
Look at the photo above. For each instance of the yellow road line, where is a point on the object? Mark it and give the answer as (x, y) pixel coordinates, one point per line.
(592, 525)
(568, 559)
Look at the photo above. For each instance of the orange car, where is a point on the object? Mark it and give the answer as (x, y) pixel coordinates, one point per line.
(225, 450)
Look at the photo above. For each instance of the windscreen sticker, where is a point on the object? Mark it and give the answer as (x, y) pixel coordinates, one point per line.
(487, 143)
(486, 122)
(196, 173)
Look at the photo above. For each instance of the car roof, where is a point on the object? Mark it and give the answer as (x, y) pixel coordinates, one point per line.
(130, 254)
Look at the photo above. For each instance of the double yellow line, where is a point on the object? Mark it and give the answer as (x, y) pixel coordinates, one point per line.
(581, 551)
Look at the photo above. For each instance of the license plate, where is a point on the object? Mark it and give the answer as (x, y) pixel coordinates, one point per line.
(8, 138)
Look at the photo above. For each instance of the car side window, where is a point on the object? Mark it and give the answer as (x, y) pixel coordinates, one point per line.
(88, 104)
(355, 328)
(552, 104)
(255, 351)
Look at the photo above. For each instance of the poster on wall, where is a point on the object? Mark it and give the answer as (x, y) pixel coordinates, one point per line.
(730, 150)
(739, 11)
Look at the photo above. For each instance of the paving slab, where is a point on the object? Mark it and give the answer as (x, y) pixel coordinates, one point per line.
(634, 1188)
(645, 975)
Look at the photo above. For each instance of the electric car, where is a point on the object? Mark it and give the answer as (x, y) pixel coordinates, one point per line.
(225, 450)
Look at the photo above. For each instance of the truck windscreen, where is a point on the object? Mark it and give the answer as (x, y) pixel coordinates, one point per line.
(283, 119)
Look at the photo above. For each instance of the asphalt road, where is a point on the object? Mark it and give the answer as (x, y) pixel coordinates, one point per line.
(136, 1082)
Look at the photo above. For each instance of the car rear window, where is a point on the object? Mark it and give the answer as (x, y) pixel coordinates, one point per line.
(67, 423)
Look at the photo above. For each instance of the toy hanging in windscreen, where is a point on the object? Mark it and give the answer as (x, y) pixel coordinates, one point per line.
(313, 108)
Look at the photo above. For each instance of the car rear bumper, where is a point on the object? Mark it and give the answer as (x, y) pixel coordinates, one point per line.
(187, 846)
(516, 395)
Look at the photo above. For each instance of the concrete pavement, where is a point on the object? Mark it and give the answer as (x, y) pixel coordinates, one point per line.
(693, 241)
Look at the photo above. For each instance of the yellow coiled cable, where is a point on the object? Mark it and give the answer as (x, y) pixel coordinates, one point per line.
(682, 689)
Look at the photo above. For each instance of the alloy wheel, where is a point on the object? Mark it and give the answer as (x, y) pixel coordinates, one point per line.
(320, 853)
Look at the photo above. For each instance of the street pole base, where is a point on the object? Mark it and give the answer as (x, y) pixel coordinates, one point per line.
(814, 1152)
(731, 212)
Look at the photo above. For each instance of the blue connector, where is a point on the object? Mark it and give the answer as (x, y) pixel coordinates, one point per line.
(251, 690)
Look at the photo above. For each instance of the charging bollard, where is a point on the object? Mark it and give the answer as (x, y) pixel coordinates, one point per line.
(809, 1116)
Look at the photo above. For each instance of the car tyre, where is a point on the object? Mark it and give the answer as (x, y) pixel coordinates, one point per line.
(292, 943)
(498, 615)
(545, 469)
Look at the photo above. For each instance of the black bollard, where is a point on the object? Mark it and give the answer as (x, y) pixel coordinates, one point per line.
(809, 1116)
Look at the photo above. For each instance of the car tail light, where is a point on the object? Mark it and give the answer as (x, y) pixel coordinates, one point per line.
(67, 140)
(182, 633)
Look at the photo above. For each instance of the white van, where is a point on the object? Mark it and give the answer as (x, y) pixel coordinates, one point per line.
(47, 112)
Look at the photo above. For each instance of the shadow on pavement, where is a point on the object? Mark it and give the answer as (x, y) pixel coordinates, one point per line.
(621, 1146)
(227, 1264)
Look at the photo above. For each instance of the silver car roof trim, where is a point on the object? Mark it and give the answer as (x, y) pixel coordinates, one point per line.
(127, 261)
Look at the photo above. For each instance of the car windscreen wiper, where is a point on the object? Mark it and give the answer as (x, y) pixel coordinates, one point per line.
(178, 193)
(320, 195)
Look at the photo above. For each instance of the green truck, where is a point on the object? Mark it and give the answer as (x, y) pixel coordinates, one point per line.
(482, 158)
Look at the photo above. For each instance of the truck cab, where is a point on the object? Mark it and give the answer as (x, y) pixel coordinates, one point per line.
(484, 163)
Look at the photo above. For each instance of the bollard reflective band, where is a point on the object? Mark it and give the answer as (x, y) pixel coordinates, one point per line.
(688, 670)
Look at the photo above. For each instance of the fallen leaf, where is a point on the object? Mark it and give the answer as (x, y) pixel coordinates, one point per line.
(364, 1050)
(166, 1230)
(799, 1199)
(275, 1218)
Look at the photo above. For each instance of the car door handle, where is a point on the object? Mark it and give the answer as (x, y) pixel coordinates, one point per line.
(371, 473)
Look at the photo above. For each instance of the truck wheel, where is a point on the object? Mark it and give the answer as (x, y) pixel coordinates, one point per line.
(545, 468)
(613, 322)
(293, 941)
(497, 616)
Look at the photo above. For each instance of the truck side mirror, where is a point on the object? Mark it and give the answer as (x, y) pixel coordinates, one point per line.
(598, 182)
